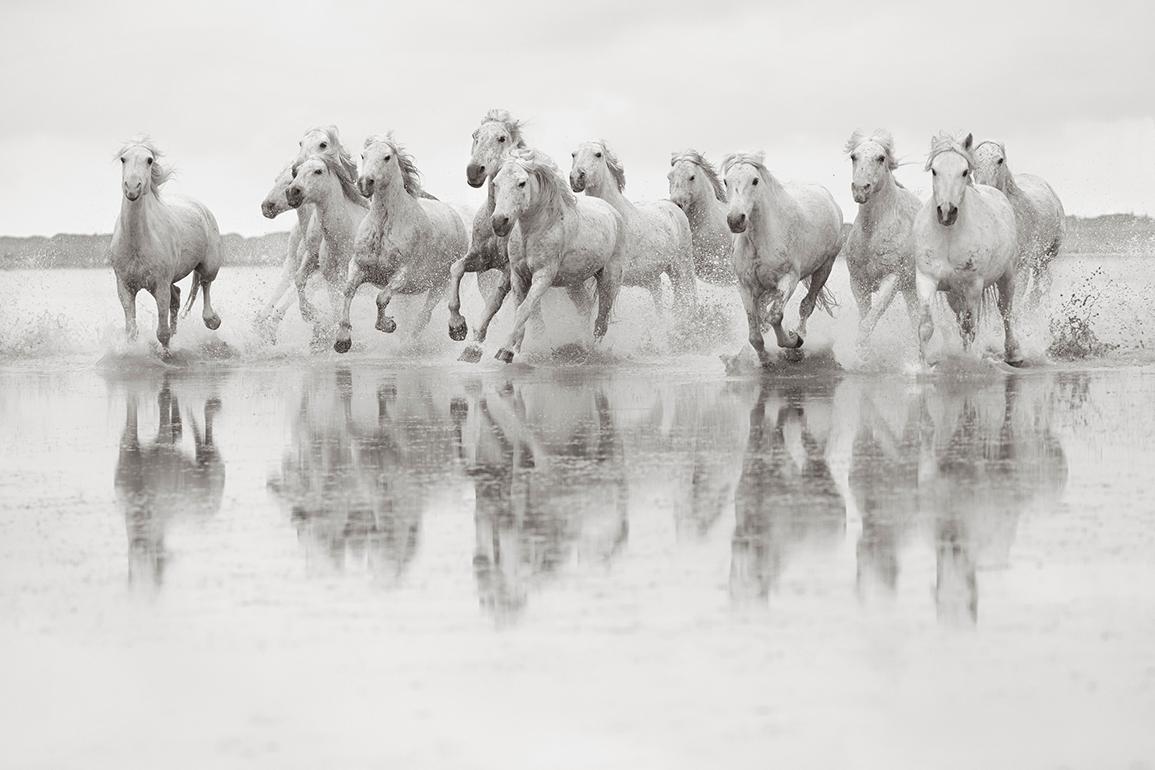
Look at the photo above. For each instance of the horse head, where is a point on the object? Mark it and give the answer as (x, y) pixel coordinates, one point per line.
(950, 164)
(497, 135)
(991, 164)
(594, 166)
(872, 159)
(744, 172)
(692, 179)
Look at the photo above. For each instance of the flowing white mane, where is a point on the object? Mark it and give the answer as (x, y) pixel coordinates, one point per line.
(695, 157)
(880, 137)
(947, 143)
(159, 173)
(617, 171)
(555, 188)
(512, 126)
(339, 162)
(409, 173)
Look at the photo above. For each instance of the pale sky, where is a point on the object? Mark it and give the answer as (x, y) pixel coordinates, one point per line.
(226, 91)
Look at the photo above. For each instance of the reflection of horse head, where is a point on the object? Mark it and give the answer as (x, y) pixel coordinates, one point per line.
(786, 494)
(547, 486)
(359, 474)
(160, 481)
(987, 453)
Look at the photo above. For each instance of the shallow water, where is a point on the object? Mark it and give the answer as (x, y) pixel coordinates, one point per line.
(297, 559)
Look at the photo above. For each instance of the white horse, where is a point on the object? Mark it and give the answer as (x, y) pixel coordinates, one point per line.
(318, 182)
(304, 245)
(965, 241)
(406, 243)
(783, 234)
(1039, 216)
(878, 249)
(562, 240)
(696, 189)
(158, 241)
(325, 143)
(658, 239)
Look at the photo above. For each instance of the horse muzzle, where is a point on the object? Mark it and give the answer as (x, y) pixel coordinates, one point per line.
(133, 193)
(475, 174)
(947, 214)
(577, 181)
(501, 225)
(270, 209)
(737, 222)
(365, 186)
(860, 192)
(294, 197)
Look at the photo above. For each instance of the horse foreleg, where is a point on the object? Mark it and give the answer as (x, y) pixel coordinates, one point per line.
(926, 287)
(528, 300)
(344, 326)
(817, 283)
(386, 323)
(163, 299)
(753, 321)
(786, 286)
(308, 266)
(128, 303)
(1006, 285)
(208, 315)
(493, 304)
(470, 263)
(609, 284)
(862, 298)
(431, 300)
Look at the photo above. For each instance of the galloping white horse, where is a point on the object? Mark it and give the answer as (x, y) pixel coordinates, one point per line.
(658, 236)
(406, 243)
(317, 181)
(878, 249)
(325, 143)
(302, 241)
(782, 234)
(1039, 216)
(965, 242)
(562, 240)
(696, 189)
(158, 241)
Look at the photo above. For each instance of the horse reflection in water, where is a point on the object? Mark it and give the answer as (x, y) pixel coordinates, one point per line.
(986, 454)
(549, 486)
(161, 481)
(786, 495)
(356, 486)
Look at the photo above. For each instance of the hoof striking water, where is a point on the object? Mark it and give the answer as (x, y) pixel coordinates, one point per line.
(213, 322)
(457, 333)
(471, 355)
(797, 342)
(387, 325)
(342, 346)
(505, 355)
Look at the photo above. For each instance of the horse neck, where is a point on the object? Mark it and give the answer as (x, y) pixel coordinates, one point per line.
(333, 216)
(304, 214)
(768, 216)
(707, 211)
(1009, 185)
(391, 202)
(138, 219)
(881, 202)
(608, 191)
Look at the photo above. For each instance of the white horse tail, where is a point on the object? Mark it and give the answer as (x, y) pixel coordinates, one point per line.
(192, 294)
(825, 298)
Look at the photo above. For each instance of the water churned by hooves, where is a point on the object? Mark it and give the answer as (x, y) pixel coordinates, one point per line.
(471, 355)
(793, 355)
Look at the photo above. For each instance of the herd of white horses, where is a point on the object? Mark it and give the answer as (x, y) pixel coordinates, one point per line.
(984, 231)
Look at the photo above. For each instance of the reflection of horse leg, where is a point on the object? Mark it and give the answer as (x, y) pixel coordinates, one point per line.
(169, 429)
(753, 319)
(817, 283)
(344, 326)
(432, 299)
(926, 288)
(210, 317)
(472, 262)
(163, 296)
(174, 307)
(128, 303)
(529, 297)
(1006, 308)
(786, 286)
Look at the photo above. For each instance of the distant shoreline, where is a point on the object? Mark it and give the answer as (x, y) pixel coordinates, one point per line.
(1106, 235)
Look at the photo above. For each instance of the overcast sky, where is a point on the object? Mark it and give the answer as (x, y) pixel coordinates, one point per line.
(227, 92)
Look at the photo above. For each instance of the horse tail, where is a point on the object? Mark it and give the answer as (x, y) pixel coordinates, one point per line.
(192, 294)
(825, 298)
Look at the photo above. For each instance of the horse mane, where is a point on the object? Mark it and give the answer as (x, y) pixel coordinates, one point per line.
(695, 157)
(1000, 145)
(880, 136)
(555, 187)
(342, 165)
(514, 127)
(946, 143)
(160, 173)
(617, 171)
(410, 176)
(755, 159)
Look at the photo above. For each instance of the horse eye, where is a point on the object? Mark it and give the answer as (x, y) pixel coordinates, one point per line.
(692, 176)
(501, 138)
(150, 161)
(755, 180)
(853, 158)
(521, 184)
(597, 154)
(324, 145)
(388, 158)
(573, 154)
(880, 158)
(966, 171)
(1000, 161)
(933, 172)
(123, 160)
(317, 172)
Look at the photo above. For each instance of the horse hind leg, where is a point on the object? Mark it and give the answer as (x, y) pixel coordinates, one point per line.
(208, 315)
(786, 286)
(1006, 287)
(432, 299)
(174, 307)
(814, 294)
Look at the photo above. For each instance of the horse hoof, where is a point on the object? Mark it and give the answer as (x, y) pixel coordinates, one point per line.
(797, 342)
(387, 325)
(1016, 362)
(471, 355)
(505, 355)
(213, 322)
(457, 333)
(342, 346)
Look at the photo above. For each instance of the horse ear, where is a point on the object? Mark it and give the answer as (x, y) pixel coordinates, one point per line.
(968, 142)
(332, 131)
